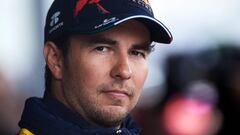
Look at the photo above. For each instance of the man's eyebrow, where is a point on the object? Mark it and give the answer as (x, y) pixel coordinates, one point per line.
(147, 46)
(99, 39)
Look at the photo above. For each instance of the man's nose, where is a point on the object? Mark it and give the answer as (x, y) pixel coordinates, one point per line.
(122, 69)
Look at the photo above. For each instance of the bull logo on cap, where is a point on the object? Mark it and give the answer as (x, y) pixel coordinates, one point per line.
(146, 1)
(81, 3)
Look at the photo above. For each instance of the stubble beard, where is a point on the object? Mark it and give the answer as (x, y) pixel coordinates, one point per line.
(97, 114)
(109, 116)
(105, 117)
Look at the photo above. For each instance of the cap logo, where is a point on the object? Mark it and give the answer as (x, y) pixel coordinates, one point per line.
(81, 3)
(106, 22)
(55, 24)
(146, 1)
(55, 18)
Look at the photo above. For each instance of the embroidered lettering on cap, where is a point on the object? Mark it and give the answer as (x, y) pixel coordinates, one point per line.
(55, 22)
(55, 18)
(107, 21)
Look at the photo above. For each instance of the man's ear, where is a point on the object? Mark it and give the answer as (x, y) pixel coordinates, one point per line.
(54, 59)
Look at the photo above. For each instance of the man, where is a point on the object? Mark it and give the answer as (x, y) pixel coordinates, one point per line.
(96, 56)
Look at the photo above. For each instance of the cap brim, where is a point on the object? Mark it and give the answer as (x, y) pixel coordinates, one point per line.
(159, 32)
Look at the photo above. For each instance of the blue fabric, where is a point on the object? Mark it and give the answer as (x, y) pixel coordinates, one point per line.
(50, 117)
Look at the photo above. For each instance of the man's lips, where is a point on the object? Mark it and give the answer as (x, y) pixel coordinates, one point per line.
(117, 93)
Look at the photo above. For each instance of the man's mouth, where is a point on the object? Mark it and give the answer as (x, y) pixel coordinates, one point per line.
(117, 93)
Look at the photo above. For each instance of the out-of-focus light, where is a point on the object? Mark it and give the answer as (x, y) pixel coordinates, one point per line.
(187, 116)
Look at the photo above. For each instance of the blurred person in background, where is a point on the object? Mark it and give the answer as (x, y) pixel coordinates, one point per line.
(226, 77)
(193, 112)
(96, 55)
(189, 104)
(202, 95)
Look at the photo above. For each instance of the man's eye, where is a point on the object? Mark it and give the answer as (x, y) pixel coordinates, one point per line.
(138, 53)
(101, 48)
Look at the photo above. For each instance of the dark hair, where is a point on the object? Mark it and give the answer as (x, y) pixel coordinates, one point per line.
(63, 44)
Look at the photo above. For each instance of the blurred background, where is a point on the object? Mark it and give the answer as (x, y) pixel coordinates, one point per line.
(193, 87)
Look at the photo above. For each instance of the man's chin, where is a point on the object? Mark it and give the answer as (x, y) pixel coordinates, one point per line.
(116, 111)
(111, 116)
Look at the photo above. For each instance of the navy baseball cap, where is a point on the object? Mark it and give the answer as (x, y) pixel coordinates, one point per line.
(92, 16)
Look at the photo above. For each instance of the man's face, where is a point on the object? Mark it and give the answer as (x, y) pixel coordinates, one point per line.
(104, 73)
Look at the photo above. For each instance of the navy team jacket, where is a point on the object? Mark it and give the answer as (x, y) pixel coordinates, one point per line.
(50, 117)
